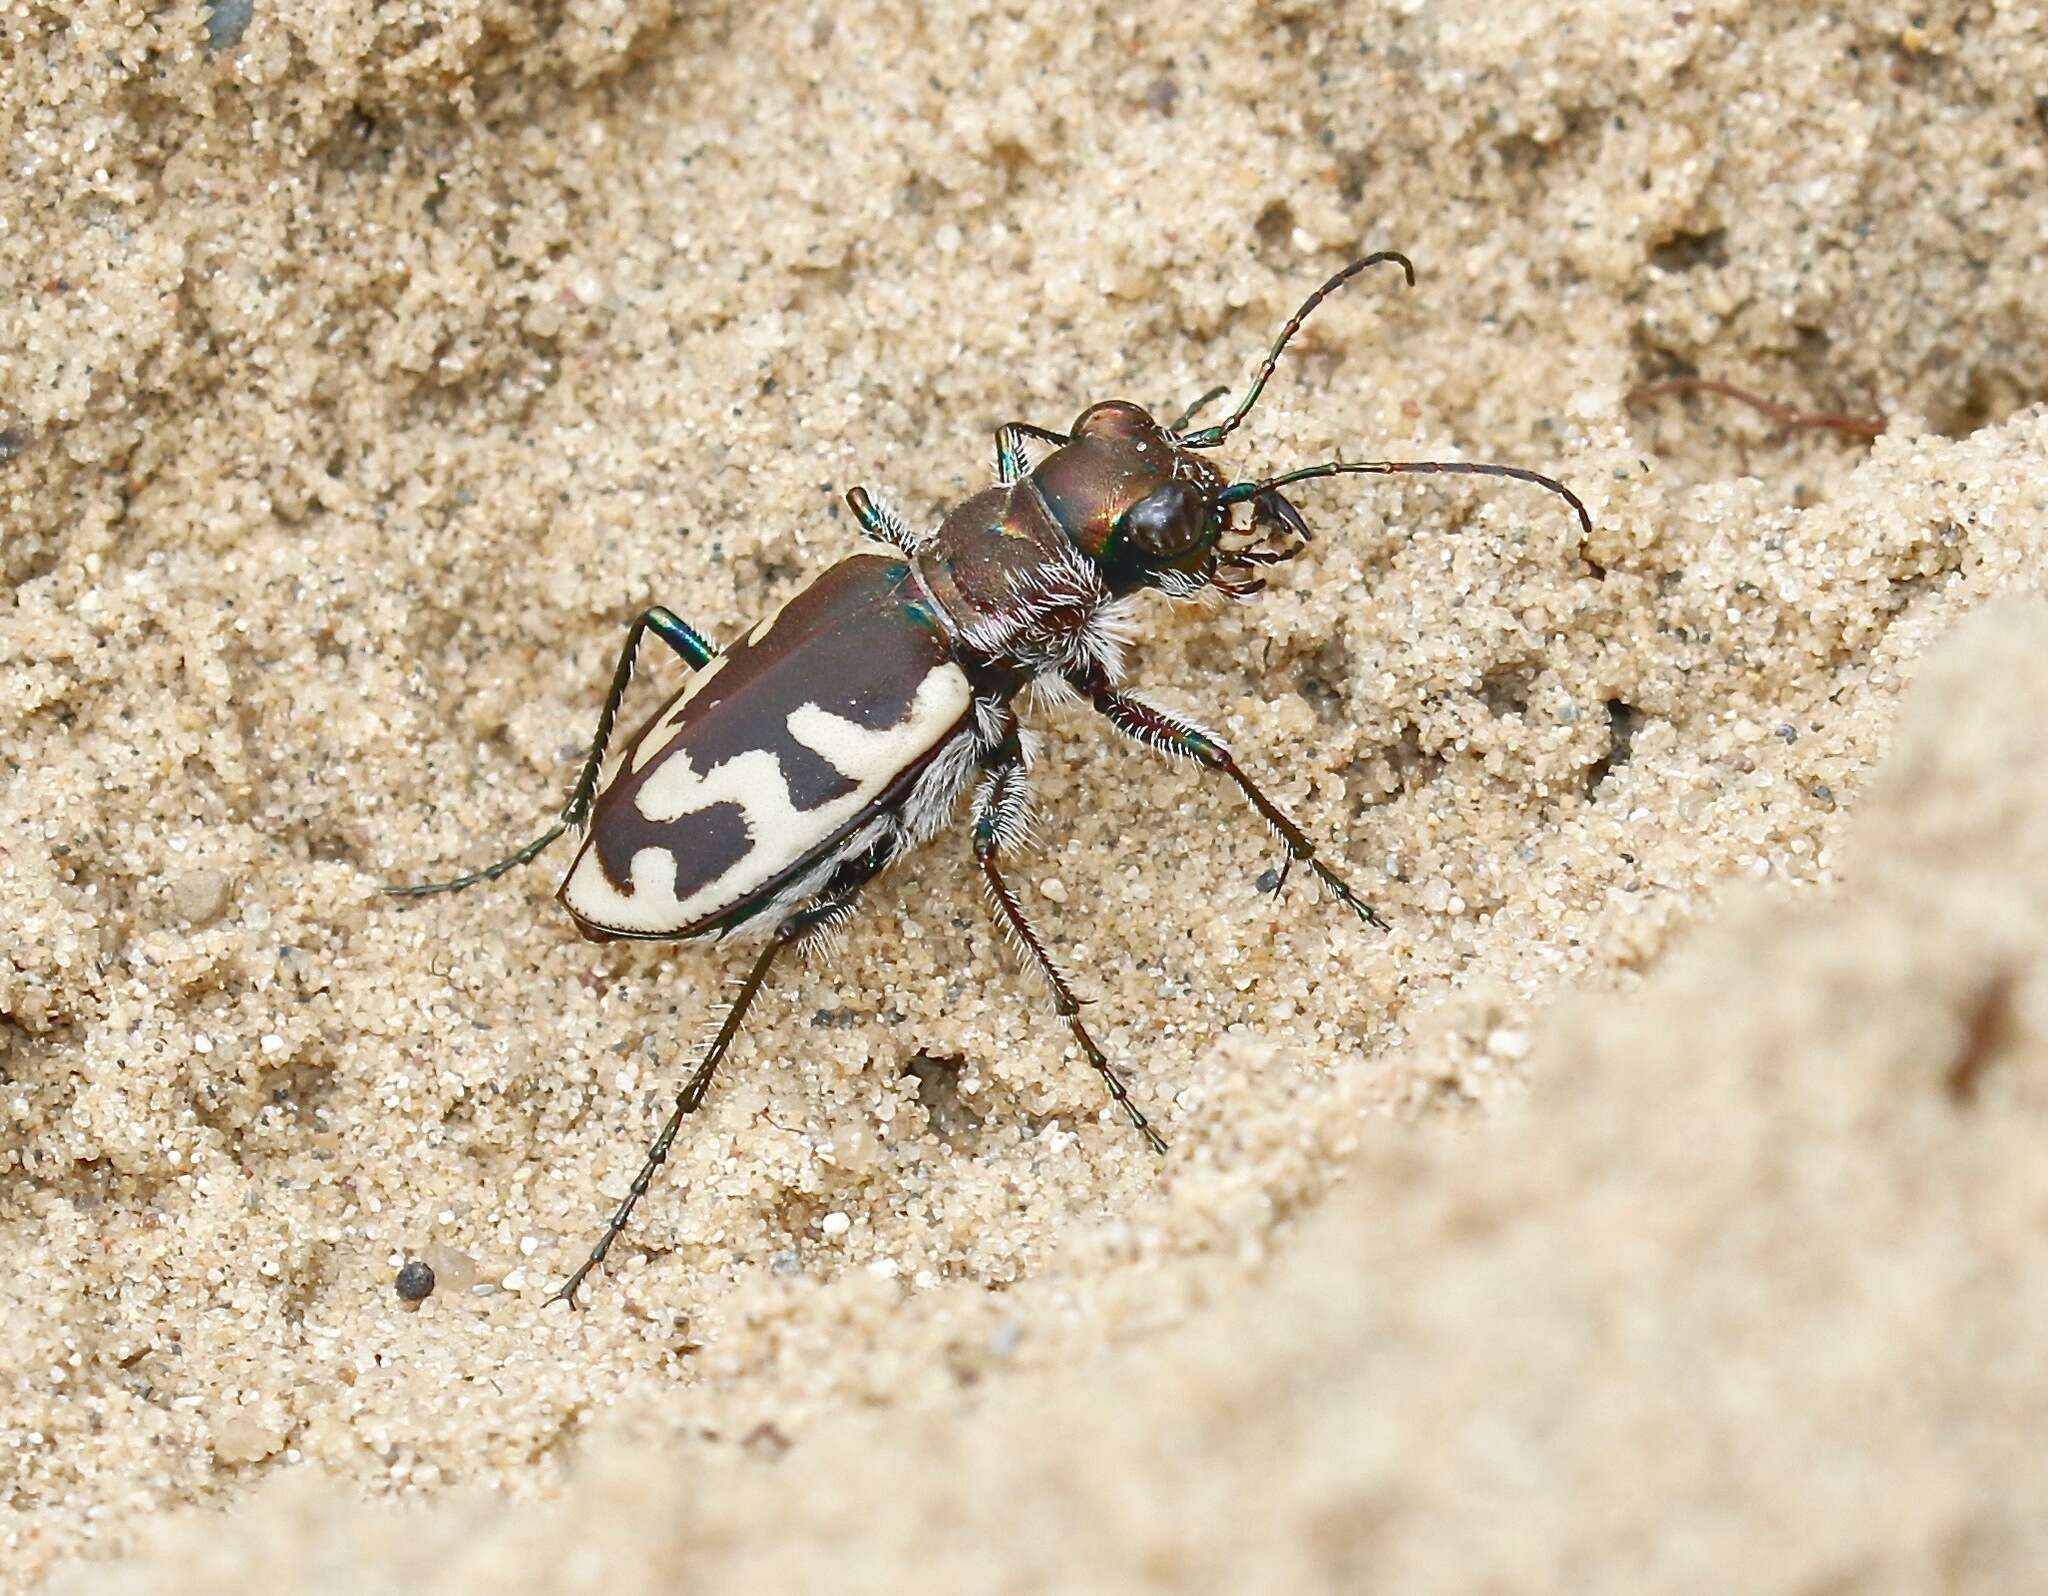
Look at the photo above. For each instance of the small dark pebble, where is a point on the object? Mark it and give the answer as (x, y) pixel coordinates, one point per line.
(765, 1443)
(1269, 881)
(1788, 734)
(226, 22)
(415, 1282)
(12, 441)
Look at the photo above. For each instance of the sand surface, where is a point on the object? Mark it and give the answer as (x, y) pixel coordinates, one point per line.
(1659, 1205)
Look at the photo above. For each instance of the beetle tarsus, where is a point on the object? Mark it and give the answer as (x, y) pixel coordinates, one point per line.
(688, 1101)
(690, 647)
(1167, 733)
(1347, 897)
(525, 855)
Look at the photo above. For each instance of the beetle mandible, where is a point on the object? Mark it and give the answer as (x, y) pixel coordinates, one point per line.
(797, 764)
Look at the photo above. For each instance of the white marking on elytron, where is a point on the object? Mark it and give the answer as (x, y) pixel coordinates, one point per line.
(658, 736)
(779, 833)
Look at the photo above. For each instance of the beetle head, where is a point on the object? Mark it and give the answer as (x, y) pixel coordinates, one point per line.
(1270, 510)
(1154, 514)
(1149, 509)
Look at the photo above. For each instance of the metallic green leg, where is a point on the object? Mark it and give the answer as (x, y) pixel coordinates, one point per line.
(689, 646)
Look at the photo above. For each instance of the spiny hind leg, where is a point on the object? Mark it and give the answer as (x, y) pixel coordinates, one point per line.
(1002, 816)
(817, 918)
(689, 646)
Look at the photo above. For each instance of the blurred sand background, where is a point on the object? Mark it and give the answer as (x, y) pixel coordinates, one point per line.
(1661, 1205)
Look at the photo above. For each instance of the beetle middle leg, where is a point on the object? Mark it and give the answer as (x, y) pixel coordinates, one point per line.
(828, 909)
(1001, 808)
(1167, 733)
(689, 646)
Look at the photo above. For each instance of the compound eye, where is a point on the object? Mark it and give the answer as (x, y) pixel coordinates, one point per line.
(1166, 523)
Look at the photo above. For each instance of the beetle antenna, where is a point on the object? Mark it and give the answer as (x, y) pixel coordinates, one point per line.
(1209, 437)
(1196, 407)
(1239, 492)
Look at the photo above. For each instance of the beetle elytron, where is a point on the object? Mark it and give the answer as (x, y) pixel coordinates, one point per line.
(794, 766)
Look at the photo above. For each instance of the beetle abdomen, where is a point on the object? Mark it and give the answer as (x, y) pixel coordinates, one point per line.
(769, 757)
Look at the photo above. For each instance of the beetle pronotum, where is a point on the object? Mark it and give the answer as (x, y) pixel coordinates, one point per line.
(795, 765)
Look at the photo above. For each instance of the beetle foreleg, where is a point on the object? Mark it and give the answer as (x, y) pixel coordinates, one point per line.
(694, 652)
(1011, 460)
(815, 918)
(1167, 733)
(1002, 809)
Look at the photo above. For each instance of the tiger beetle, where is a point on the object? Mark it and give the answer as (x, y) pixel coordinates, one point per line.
(797, 764)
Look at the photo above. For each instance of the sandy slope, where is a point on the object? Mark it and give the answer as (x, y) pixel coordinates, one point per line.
(361, 376)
